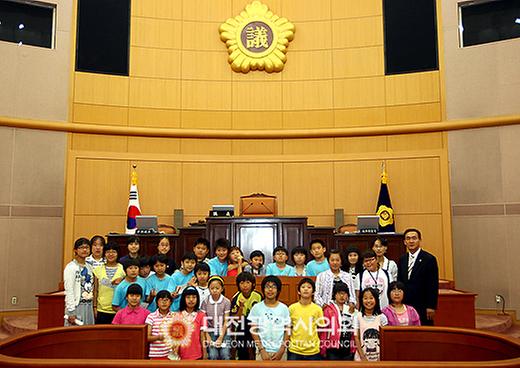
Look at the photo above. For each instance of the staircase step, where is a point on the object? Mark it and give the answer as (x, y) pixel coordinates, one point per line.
(493, 322)
(19, 324)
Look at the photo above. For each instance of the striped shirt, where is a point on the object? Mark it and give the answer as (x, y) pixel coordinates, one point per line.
(158, 348)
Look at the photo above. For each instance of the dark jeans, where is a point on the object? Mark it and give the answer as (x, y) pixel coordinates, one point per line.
(294, 356)
(339, 354)
(104, 318)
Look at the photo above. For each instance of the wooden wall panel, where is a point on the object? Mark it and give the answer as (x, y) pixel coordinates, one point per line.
(308, 188)
(251, 178)
(308, 146)
(305, 10)
(206, 10)
(156, 33)
(357, 32)
(206, 119)
(257, 147)
(358, 62)
(201, 95)
(148, 117)
(420, 113)
(155, 93)
(257, 119)
(101, 187)
(206, 146)
(202, 36)
(100, 89)
(312, 36)
(206, 65)
(206, 184)
(274, 5)
(100, 143)
(261, 96)
(356, 186)
(320, 220)
(88, 226)
(416, 185)
(165, 9)
(100, 114)
(359, 92)
(155, 63)
(308, 95)
(305, 65)
(370, 116)
(360, 144)
(160, 187)
(308, 119)
(411, 142)
(355, 8)
(412, 88)
(153, 145)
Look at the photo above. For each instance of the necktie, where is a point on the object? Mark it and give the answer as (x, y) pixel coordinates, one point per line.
(410, 264)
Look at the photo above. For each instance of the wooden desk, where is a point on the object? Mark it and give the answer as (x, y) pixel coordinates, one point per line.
(51, 309)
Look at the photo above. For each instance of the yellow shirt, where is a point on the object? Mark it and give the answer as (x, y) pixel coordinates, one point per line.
(304, 338)
(106, 288)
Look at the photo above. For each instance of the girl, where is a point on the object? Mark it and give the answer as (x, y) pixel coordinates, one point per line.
(397, 313)
(217, 308)
(107, 277)
(366, 326)
(159, 350)
(326, 280)
(337, 337)
(96, 257)
(192, 346)
(380, 246)
(236, 261)
(353, 265)
(299, 256)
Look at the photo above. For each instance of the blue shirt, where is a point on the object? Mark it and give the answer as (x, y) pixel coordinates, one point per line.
(272, 322)
(272, 269)
(314, 268)
(119, 299)
(176, 280)
(217, 268)
(157, 284)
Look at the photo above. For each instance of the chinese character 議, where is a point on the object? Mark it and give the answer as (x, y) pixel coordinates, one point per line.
(257, 37)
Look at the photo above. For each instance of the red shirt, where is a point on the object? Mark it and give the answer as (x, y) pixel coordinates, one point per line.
(131, 316)
(192, 350)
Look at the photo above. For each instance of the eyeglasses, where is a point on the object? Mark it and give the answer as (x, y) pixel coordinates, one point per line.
(411, 238)
(270, 287)
(83, 247)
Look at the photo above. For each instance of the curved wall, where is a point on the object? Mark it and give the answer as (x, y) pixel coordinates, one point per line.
(334, 77)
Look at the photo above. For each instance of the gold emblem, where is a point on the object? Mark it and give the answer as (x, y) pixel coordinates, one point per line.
(386, 216)
(257, 39)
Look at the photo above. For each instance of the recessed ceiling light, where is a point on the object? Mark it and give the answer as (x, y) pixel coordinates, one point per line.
(21, 26)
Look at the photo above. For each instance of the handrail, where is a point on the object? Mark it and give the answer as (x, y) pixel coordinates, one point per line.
(261, 134)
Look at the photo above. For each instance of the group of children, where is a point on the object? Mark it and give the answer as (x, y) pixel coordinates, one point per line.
(337, 317)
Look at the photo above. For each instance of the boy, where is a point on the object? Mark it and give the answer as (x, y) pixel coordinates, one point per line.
(201, 249)
(78, 281)
(241, 303)
(132, 244)
(279, 267)
(133, 313)
(108, 276)
(159, 280)
(164, 248)
(202, 276)
(131, 268)
(256, 264)
(182, 278)
(158, 349)
(270, 322)
(219, 264)
(304, 343)
(145, 269)
(374, 277)
(319, 263)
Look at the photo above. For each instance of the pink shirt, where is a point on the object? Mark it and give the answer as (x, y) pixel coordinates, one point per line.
(192, 350)
(130, 316)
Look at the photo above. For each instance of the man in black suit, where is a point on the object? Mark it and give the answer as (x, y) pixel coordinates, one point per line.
(419, 272)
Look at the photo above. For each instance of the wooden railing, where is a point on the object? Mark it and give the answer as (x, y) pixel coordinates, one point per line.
(124, 346)
(261, 134)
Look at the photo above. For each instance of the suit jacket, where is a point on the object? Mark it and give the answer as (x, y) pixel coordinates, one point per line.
(422, 289)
